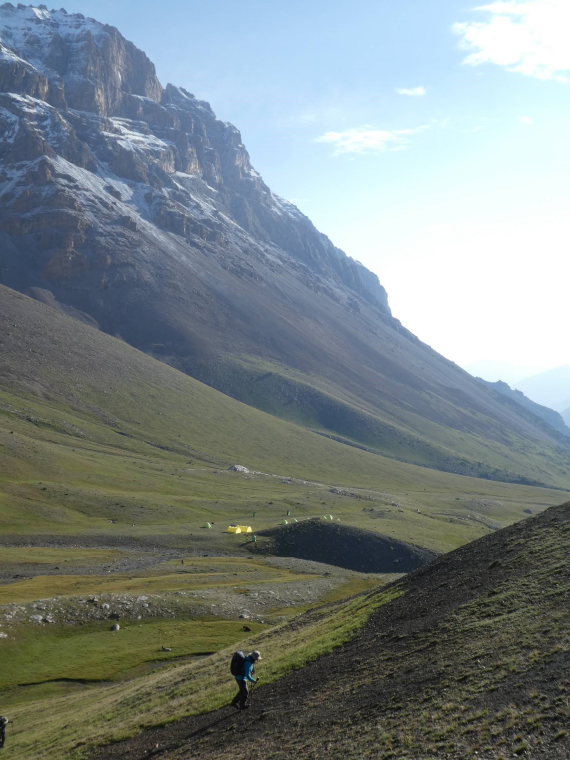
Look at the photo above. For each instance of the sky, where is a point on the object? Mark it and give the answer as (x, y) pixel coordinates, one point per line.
(427, 138)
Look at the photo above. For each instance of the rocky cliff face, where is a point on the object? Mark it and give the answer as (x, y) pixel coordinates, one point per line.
(71, 61)
(131, 206)
(91, 124)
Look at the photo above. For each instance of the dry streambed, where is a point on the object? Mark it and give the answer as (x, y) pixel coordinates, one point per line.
(86, 587)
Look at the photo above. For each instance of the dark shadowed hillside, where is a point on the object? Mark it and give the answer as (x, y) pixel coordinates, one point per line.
(470, 661)
(353, 548)
(129, 205)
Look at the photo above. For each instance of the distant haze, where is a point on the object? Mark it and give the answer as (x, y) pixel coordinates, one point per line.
(496, 370)
(550, 388)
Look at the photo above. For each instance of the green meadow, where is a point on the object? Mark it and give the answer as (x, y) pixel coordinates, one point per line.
(79, 718)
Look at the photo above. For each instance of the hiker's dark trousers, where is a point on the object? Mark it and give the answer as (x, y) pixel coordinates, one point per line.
(241, 697)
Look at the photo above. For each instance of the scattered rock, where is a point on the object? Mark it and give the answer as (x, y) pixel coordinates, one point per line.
(115, 627)
(238, 468)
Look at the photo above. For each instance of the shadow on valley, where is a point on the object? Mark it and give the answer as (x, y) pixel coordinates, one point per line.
(345, 546)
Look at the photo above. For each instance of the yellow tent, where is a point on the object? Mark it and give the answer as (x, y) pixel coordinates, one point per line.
(239, 529)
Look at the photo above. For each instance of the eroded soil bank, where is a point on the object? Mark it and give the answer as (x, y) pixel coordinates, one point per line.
(342, 545)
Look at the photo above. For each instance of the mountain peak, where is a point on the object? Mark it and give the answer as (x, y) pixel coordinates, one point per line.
(79, 62)
(27, 27)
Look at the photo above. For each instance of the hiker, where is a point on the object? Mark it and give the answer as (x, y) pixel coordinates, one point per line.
(245, 676)
(3, 723)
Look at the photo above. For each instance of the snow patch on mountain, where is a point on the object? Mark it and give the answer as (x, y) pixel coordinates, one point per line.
(30, 105)
(9, 124)
(136, 136)
(31, 29)
(7, 54)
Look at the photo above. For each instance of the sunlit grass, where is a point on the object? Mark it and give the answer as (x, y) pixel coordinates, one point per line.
(93, 652)
(113, 711)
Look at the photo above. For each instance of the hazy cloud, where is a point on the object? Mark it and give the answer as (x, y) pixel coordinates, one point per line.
(414, 92)
(369, 140)
(527, 36)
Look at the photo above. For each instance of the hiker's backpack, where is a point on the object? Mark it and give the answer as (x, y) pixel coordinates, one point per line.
(237, 665)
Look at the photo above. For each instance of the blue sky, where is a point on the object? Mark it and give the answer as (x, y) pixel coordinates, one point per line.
(427, 138)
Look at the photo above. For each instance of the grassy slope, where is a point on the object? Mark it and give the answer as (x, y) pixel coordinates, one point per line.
(100, 443)
(464, 659)
(451, 434)
(97, 438)
(114, 711)
(470, 660)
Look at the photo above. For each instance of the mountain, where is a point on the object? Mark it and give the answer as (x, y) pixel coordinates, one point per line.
(130, 206)
(465, 658)
(551, 388)
(549, 416)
